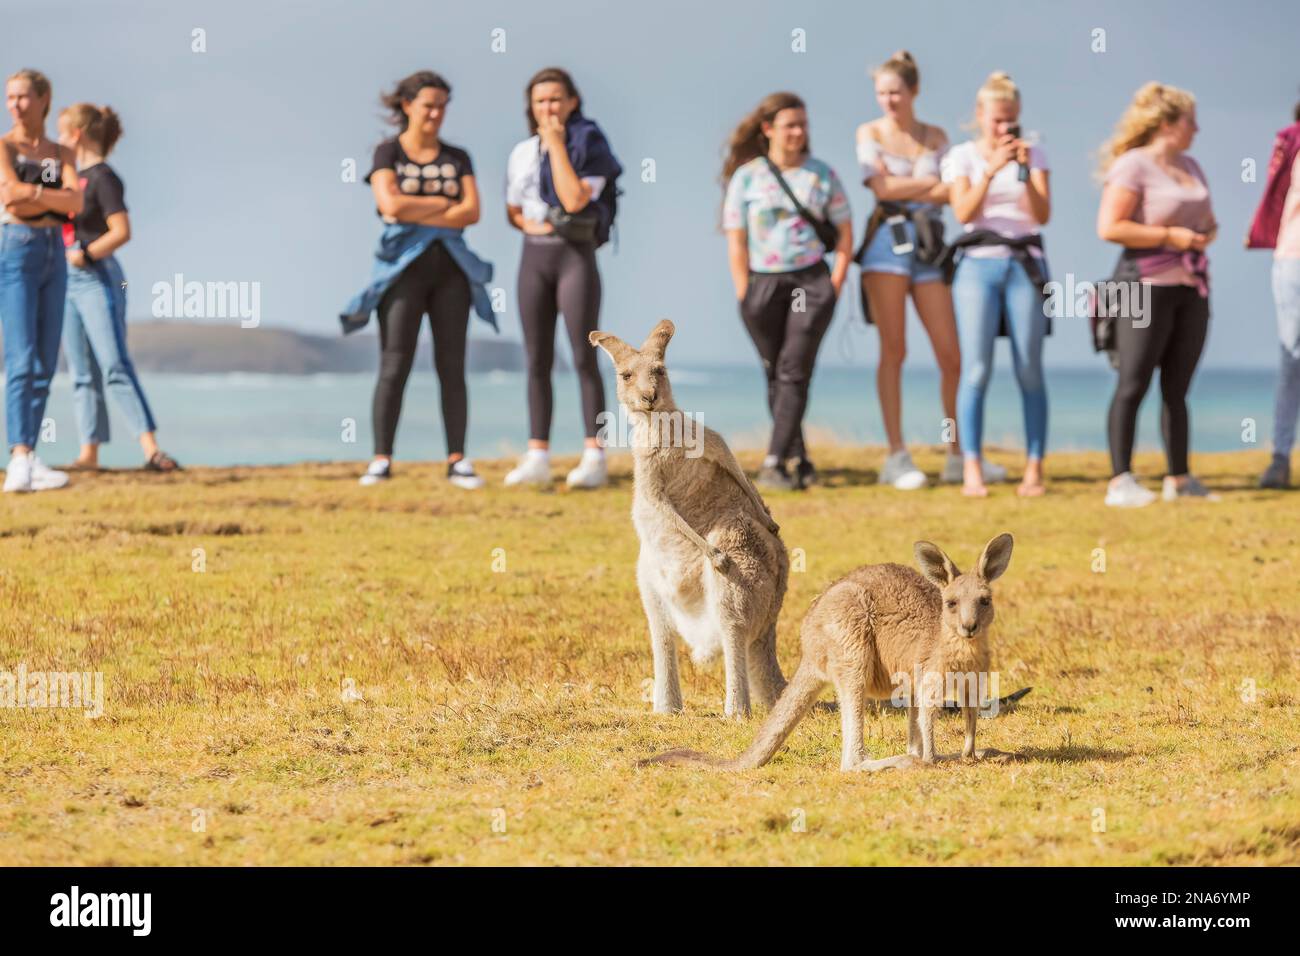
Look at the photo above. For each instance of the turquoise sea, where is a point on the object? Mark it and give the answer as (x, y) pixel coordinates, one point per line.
(264, 419)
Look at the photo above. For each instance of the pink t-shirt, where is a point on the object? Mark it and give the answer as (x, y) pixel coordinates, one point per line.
(1288, 233)
(1006, 207)
(1164, 201)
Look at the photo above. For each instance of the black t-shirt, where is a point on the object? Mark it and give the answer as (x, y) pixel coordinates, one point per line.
(442, 177)
(103, 195)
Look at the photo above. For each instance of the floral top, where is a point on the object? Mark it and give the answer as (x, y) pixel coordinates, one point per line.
(780, 240)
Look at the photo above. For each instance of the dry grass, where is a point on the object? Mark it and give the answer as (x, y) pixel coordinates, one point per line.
(515, 696)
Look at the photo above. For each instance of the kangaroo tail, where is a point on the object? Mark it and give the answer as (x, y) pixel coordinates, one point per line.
(795, 701)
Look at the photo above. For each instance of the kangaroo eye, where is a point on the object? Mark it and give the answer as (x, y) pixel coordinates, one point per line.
(951, 604)
(657, 371)
(627, 376)
(985, 601)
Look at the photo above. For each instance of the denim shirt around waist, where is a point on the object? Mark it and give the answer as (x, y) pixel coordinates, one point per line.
(400, 244)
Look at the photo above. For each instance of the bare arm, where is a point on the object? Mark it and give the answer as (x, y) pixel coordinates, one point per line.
(738, 260)
(843, 256)
(573, 193)
(1039, 195)
(394, 204)
(1115, 224)
(118, 235)
(460, 214)
(28, 200)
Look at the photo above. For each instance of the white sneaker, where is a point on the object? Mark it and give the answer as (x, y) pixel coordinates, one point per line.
(380, 470)
(461, 473)
(591, 471)
(1191, 488)
(45, 478)
(953, 475)
(901, 473)
(1125, 492)
(18, 476)
(533, 469)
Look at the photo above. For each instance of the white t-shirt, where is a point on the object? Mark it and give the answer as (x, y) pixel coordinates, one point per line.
(524, 180)
(1006, 207)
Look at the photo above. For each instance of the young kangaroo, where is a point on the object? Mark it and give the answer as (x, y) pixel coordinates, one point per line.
(878, 628)
(712, 568)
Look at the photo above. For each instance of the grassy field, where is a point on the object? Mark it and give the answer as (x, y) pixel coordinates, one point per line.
(414, 674)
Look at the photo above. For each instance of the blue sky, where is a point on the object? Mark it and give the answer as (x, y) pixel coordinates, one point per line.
(232, 157)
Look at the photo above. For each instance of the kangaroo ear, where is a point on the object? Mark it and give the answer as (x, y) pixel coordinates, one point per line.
(996, 557)
(658, 338)
(614, 347)
(934, 564)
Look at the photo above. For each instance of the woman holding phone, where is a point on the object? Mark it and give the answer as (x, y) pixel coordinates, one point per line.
(999, 191)
(784, 211)
(38, 192)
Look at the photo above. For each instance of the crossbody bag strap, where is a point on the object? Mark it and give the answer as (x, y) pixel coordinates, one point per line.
(799, 207)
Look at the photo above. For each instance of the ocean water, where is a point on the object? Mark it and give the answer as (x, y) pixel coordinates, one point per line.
(265, 419)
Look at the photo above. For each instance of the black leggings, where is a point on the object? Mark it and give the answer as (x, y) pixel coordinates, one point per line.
(434, 285)
(787, 329)
(559, 276)
(1180, 318)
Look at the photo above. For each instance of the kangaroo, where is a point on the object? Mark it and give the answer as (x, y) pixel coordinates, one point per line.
(712, 568)
(874, 632)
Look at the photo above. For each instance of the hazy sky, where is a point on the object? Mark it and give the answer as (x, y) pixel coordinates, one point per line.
(233, 157)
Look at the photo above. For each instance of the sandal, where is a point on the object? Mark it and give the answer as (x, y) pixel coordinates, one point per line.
(161, 461)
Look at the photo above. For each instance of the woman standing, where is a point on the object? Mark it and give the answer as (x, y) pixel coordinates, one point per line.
(783, 213)
(900, 161)
(998, 189)
(38, 190)
(420, 181)
(560, 193)
(94, 318)
(1156, 204)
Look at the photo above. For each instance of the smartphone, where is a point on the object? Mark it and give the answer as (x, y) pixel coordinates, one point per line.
(1022, 171)
(898, 232)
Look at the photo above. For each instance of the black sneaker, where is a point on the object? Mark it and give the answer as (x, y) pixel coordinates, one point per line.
(776, 478)
(461, 473)
(1278, 473)
(806, 473)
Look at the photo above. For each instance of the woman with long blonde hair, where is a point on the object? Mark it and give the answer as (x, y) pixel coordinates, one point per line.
(1156, 204)
(999, 191)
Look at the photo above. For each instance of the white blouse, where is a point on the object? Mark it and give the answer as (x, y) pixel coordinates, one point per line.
(524, 180)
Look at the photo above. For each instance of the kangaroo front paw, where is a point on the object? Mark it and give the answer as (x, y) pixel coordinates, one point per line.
(721, 560)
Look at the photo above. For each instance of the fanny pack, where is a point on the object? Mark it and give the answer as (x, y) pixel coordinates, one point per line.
(577, 226)
(827, 234)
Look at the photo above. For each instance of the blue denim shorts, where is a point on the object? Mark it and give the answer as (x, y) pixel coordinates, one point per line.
(879, 256)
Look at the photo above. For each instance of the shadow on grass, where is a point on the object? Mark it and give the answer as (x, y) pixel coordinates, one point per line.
(1071, 754)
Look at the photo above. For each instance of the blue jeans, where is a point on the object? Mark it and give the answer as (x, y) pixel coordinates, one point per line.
(33, 279)
(1286, 295)
(94, 341)
(981, 290)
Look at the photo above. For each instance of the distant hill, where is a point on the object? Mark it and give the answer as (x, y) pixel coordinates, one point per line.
(199, 348)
